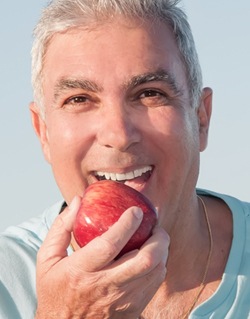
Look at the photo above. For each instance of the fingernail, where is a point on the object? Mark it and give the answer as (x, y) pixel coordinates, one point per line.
(138, 213)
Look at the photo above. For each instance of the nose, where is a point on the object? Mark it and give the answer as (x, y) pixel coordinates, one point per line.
(118, 128)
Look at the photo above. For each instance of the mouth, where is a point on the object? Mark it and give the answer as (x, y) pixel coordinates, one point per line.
(138, 176)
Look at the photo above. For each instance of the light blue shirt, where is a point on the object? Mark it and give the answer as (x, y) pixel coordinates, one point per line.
(19, 246)
(232, 298)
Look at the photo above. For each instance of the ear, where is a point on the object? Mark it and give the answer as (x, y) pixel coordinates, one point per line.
(204, 112)
(40, 128)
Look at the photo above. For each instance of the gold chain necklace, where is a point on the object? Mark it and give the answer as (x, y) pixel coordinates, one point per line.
(202, 285)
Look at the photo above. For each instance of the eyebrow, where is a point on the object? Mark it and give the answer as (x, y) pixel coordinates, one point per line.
(65, 84)
(159, 75)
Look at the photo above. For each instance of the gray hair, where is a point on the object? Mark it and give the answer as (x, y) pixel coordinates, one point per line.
(61, 15)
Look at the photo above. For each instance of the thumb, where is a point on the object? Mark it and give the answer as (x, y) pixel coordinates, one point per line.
(54, 247)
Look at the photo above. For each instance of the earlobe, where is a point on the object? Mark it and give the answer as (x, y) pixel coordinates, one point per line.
(40, 128)
(204, 114)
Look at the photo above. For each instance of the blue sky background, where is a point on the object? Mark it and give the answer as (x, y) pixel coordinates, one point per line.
(222, 32)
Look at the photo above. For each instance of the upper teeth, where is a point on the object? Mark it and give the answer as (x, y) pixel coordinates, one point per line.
(124, 176)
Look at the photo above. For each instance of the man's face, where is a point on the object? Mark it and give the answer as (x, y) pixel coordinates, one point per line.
(117, 106)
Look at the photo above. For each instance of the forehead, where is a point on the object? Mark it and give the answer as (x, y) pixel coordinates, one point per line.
(112, 51)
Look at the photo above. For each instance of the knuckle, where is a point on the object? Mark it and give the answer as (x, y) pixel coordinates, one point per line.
(147, 261)
(108, 247)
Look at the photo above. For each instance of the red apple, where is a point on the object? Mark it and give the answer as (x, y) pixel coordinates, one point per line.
(102, 205)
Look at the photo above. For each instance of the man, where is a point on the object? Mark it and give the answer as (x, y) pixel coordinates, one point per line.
(118, 89)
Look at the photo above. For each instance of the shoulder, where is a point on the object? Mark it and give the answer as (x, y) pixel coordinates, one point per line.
(240, 211)
(234, 204)
(33, 231)
(231, 300)
(18, 249)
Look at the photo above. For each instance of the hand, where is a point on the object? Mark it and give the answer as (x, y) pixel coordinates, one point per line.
(90, 284)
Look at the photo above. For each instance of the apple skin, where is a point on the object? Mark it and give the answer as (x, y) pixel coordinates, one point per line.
(102, 205)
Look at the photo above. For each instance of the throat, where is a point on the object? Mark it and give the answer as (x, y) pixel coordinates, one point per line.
(188, 267)
(178, 304)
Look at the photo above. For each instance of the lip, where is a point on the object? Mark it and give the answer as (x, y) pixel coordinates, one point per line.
(138, 182)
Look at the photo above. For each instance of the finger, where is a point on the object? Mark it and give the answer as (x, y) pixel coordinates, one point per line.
(159, 243)
(139, 291)
(103, 249)
(140, 263)
(58, 239)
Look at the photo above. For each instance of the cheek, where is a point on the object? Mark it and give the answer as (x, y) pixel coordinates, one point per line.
(175, 143)
(68, 143)
(68, 140)
(174, 127)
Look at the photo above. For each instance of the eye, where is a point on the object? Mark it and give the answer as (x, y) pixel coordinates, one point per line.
(78, 103)
(76, 100)
(153, 98)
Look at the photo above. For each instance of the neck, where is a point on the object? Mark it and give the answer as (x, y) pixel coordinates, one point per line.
(189, 248)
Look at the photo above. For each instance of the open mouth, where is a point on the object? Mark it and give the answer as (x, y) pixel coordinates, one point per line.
(139, 175)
